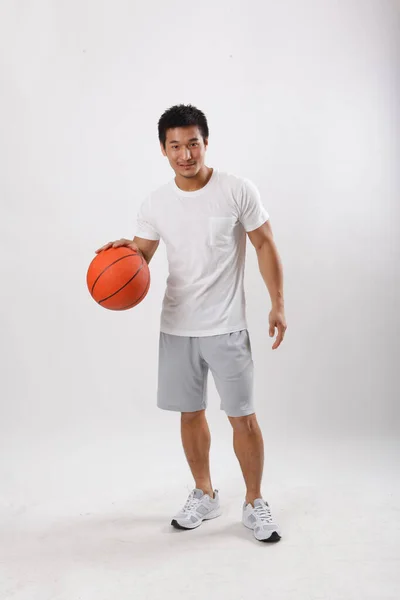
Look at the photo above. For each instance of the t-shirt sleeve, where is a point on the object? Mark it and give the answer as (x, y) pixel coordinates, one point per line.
(145, 226)
(252, 213)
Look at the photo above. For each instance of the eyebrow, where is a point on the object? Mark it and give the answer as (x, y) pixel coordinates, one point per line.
(195, 139)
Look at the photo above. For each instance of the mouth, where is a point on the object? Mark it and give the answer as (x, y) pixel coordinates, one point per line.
(187, 166)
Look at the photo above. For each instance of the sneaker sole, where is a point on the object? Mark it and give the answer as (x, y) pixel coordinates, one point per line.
(274, 537)
(212, 515)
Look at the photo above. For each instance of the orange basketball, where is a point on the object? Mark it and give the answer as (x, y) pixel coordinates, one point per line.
(118, 278)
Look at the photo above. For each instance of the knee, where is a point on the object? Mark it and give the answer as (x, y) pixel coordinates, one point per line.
(246, 424)
(190, 417)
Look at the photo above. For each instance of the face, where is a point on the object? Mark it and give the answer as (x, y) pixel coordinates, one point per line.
(185, 150)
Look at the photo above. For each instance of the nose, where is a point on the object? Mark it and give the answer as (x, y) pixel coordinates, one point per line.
(185, 153)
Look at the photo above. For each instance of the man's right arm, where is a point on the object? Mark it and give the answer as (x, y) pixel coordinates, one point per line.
(145, 247)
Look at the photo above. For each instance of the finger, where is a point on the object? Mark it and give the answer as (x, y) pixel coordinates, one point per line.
(271, 330)
(104, 247)
(122, 242)
(279, 338)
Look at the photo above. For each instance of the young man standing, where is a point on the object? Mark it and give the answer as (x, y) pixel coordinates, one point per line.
(202, 216)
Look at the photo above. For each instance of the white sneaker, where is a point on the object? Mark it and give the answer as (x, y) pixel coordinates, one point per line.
(259, 519)
(198, 508)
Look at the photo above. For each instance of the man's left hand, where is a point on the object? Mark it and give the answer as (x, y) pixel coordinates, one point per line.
(277, 320)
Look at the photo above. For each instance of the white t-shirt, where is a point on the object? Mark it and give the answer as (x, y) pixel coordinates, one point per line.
(205, 237)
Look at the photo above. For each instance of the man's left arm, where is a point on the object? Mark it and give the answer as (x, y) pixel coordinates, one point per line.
(271, 270)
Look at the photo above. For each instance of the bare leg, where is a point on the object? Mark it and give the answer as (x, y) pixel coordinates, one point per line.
(249, 449)
(196, 440)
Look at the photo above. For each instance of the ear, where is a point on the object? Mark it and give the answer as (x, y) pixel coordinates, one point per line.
(206, 143)
(163, 149)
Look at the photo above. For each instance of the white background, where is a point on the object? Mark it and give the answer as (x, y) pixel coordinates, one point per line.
(303, 98)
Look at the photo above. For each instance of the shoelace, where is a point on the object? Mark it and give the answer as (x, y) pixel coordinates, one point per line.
(263, 512)
(191, 503)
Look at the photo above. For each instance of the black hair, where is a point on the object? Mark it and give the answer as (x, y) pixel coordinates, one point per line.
(182, 115)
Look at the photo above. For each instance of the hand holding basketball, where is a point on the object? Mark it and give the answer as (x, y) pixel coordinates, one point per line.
(118, 277)
(118, 244)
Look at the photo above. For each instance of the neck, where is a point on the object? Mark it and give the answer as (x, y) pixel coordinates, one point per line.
(192, 184)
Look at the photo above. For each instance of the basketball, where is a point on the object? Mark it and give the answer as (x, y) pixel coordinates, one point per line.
(118, 278)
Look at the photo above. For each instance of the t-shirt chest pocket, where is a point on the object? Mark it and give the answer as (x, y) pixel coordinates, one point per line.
(221, 231)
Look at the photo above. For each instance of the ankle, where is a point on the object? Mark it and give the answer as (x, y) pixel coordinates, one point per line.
(251, 497)
(206, 490)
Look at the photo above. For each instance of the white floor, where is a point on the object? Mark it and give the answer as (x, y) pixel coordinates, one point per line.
(338, 503)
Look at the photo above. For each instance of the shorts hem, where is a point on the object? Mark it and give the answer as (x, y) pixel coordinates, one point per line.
(244, 413)
(180, 409)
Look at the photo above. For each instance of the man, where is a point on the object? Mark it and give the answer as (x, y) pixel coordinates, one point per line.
(202, 216)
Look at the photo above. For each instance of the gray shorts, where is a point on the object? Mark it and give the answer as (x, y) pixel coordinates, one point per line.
(183, 372)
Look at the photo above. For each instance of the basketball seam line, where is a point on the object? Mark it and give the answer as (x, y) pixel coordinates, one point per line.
(108, 266)
(125, 284)
(138, 300)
